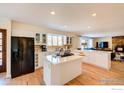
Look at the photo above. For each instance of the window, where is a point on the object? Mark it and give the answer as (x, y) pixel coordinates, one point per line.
(56, 40)
(83, 43)
(86, 43)
(49, 40)
(90, 43)
(59, 40)
(0, 49)
(64, 40)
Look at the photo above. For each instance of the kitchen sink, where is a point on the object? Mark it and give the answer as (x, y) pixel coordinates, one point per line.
(65, 55)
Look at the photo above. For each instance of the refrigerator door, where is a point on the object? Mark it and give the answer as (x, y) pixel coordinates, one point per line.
(27, 61)
(30, 54)
(22, 59)
(15, 57)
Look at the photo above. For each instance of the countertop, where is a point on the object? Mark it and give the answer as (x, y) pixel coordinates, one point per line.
(96, 51)
(58, 60)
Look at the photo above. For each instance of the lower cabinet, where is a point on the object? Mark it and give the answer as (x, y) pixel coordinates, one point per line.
(38, 60)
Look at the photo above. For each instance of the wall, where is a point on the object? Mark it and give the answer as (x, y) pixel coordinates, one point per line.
(89, 42)
(5, 23)
(76, 42)
(28, 30)
(118, 40)
(102, 39)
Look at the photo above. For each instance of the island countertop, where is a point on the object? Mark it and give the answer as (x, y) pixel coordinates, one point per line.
(60, 70)
(58, 60)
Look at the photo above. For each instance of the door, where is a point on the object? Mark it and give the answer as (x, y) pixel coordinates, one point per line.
(2, 50)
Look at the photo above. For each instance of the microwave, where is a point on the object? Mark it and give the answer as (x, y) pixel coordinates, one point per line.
(43, 48)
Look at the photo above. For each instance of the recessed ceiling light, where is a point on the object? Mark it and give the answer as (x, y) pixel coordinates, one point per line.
(89, 26)
(94, 14)
(52, 12)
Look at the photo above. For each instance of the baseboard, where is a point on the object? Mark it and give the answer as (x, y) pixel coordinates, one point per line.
(8, 76)
(39, 68)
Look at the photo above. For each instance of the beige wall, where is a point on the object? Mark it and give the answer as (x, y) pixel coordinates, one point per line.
(108, 39)
(76, 42)
(6, 24)
(28, 30)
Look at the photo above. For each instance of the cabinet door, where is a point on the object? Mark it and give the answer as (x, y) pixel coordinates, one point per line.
(67, 40)
(44, 39)
(70, 40)
(30, 54)
(40, 59)
(37, 39)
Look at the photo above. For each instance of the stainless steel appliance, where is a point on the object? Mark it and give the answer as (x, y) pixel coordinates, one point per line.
(22, 56)
(43, 48)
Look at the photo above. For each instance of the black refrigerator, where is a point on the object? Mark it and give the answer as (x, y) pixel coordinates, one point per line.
(22, 56)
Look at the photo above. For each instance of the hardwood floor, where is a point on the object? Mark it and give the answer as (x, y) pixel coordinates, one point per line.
(35, 78)
(118, 65)
(91, 75)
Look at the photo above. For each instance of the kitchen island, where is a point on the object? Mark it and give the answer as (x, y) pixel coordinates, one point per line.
(60, 70)
(98, 58)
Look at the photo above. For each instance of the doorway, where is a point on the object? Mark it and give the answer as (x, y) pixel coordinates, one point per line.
(2, 50)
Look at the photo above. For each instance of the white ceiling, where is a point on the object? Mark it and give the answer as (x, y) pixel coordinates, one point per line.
(77, 17)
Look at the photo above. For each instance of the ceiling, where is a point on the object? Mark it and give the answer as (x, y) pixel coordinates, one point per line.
(69, 17)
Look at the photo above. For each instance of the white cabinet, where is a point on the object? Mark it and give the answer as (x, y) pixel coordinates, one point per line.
(40, 38)
(39, 59)
(98, 58)
(37, 39)
(36, 60)
(69, 40)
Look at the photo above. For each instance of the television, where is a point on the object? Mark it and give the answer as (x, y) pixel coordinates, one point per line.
(102, 44)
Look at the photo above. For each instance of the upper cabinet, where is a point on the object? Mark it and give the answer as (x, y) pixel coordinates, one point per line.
(37, 39)
(69, 40)
(52, 39)
(40, 39)
(44, 38)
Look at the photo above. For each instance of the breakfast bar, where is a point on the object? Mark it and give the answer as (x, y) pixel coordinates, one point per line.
(60, 70)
